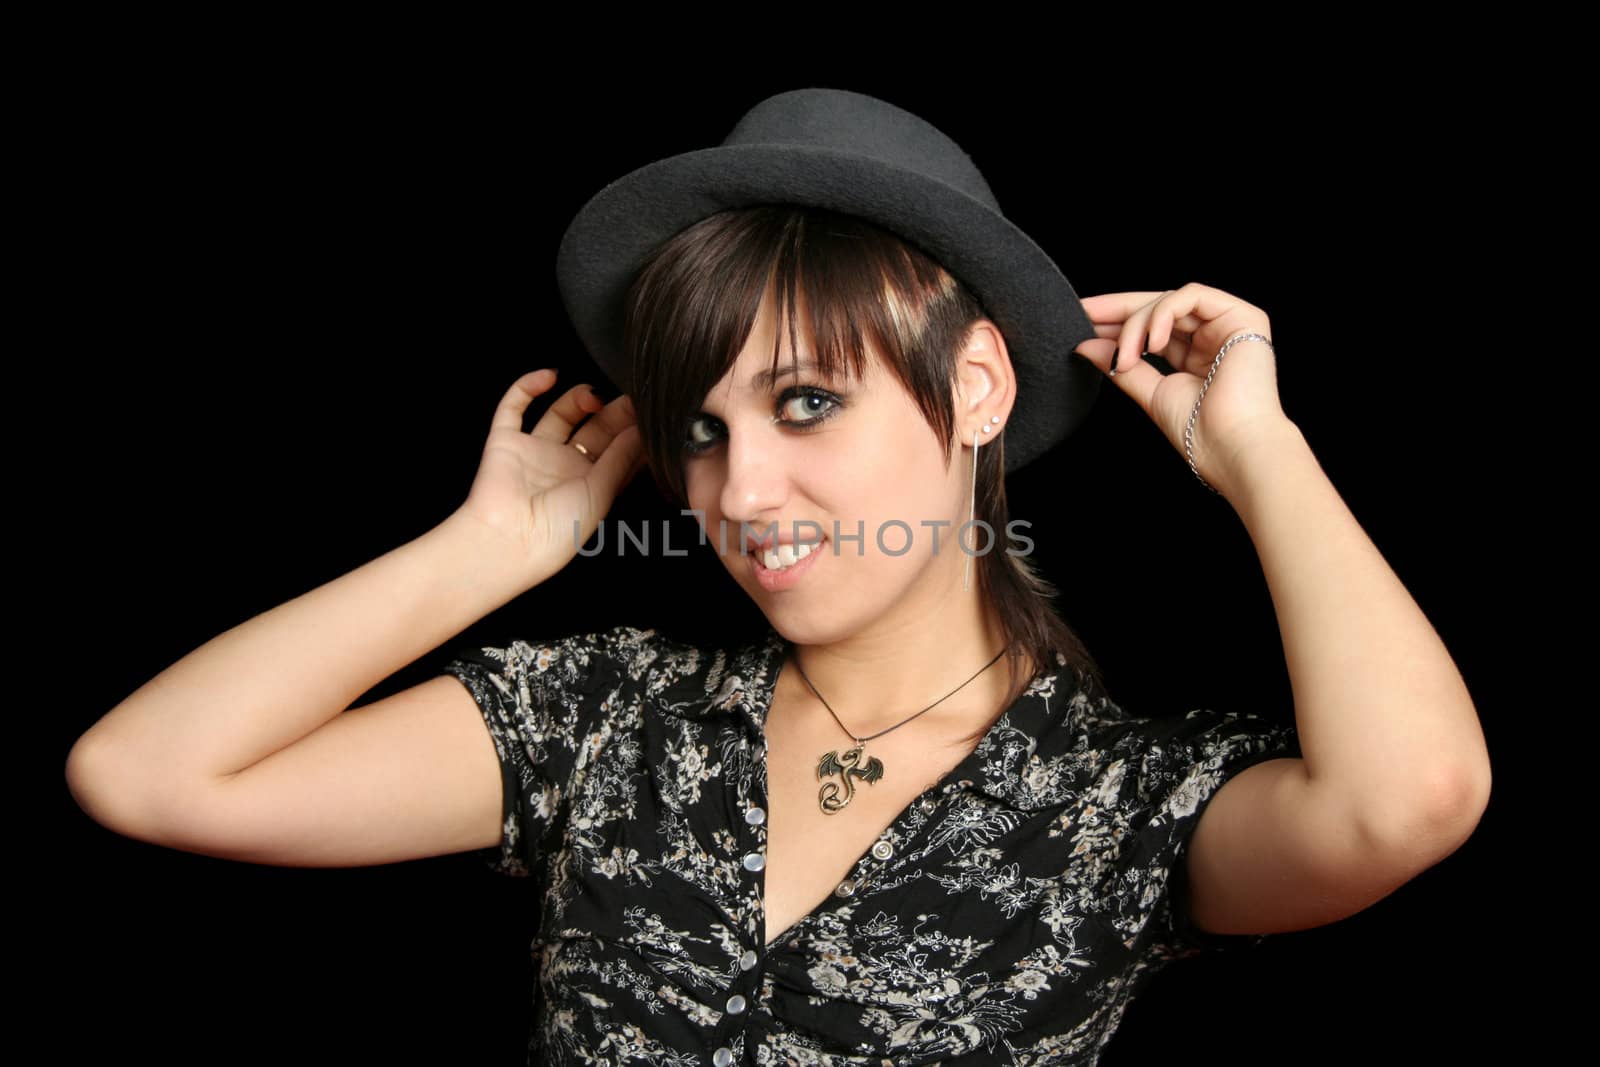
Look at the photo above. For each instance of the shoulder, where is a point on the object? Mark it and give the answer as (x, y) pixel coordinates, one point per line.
(1165, 750)
(622, 651)
(682, 677)
(1201, 730)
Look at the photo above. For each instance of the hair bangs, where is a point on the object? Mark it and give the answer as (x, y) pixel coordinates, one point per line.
(837, 284)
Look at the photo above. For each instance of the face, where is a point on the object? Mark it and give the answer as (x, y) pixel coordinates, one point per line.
(851, 456)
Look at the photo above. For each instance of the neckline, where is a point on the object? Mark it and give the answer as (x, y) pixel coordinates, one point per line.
(990, 769)
(1046, 722)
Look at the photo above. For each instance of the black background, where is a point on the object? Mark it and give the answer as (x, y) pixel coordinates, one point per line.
(286, 287)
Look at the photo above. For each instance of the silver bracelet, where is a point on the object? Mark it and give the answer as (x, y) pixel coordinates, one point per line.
(1188, 433)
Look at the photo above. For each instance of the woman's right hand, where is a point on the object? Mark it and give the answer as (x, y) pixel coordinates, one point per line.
(532, 488)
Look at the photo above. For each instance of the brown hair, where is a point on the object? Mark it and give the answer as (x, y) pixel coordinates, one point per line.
(693, 304)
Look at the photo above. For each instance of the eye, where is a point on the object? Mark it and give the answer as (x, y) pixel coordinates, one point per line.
(695, 444)
(810, 405)
(806, 407)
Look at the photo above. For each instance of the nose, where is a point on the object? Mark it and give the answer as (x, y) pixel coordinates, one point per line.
(756, 476)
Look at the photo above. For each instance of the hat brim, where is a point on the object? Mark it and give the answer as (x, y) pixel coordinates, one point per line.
(1019, 285)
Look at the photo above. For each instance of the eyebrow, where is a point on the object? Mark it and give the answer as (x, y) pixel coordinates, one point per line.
(766, 379)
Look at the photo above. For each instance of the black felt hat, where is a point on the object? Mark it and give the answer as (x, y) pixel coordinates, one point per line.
(856, 154)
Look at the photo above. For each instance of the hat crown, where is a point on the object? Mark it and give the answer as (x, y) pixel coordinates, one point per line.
(838, 120)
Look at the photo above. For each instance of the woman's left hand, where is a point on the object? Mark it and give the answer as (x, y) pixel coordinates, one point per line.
(1186, 327)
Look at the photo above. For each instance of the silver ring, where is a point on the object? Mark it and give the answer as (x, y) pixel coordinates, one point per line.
(579, 446)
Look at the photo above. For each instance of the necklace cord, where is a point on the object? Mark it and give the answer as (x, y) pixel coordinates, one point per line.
(896, 726)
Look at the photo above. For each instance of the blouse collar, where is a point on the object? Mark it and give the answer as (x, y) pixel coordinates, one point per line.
(1019, 761)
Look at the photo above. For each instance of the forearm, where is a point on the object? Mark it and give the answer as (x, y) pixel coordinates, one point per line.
(275, 678)
(1383, 714)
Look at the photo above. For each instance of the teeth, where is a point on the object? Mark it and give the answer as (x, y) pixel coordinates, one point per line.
(786, 556)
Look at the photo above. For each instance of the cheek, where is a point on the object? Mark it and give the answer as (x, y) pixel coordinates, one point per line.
(902, 482)
(697, 489)
(703, 505)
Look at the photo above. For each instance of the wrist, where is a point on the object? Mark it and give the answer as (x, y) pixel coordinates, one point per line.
(1259, 457)
(489, 565)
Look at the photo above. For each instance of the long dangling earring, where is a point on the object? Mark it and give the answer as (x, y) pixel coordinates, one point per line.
(972, 501)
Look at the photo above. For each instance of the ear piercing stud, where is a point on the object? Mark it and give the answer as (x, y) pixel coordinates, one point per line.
(993, 419)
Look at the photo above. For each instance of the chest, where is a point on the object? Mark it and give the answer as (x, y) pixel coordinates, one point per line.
(809, 851)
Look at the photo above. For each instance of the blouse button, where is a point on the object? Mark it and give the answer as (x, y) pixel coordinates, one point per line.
(735, 1004)
(748, 960)
(755, 816)
(846, 888)
(883, 850)
(753, 861)
(723, 1057)
(928, 805)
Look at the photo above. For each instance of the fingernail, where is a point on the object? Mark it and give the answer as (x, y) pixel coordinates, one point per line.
(1114, 354)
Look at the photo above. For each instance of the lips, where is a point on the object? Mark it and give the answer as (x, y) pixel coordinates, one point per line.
(778, 579)
(786, 552)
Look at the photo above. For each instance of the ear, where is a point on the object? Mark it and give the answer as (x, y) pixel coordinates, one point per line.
(986, 384)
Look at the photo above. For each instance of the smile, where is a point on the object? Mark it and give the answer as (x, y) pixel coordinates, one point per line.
(782, 567)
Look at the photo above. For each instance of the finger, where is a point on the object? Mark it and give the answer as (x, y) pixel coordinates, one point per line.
(1209, 302)
(1155, 326)
(1191, 308)
(570, 409)
(1182, 327)
(1131, 340)
(508, 413)
(1136, 378)
(603, 426)
(1116, 307)
(616, 466)
(1175, 350)
(1110, 331)
(1167, 327)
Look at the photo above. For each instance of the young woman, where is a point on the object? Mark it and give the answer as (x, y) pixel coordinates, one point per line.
(907, 822)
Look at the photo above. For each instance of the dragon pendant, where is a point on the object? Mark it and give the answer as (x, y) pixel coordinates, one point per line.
(833, 796)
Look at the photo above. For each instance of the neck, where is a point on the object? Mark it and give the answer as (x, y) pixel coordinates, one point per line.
(879, 675)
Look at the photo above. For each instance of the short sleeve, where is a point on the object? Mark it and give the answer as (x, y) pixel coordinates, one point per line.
(540, 701)
(1186, 760)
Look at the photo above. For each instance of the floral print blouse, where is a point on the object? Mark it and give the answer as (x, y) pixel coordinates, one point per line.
(1008, 915)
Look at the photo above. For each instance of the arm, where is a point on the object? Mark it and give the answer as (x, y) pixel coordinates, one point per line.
(1394, 773)
(240, 748)
(1385, 721)
(275, 679)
